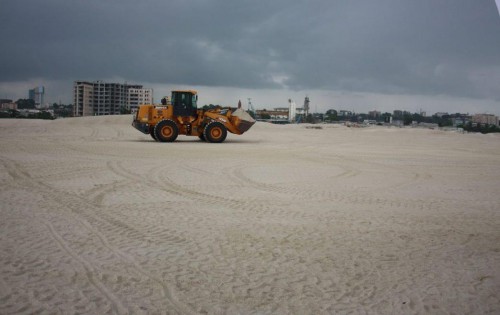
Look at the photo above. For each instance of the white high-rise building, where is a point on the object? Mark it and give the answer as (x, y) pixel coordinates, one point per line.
(101, 98)
(138, 97)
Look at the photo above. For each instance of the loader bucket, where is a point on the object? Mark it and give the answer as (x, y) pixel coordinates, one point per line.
(242, 120)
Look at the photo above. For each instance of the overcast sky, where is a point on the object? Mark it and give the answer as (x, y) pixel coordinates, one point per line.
(434, 55)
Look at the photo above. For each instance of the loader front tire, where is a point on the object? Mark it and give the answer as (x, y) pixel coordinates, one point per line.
(166, 131)
(152, 133)
(215, 132)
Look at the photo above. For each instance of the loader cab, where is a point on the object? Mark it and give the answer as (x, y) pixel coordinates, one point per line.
(184, 103)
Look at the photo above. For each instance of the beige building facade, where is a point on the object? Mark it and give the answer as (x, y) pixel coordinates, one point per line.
(488, 119)
(99, 98)
(136, 97)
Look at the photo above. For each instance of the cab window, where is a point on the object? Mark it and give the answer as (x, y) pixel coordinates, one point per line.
(194, 100)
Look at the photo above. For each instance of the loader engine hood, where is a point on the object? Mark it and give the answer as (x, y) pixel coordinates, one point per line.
(242, 120)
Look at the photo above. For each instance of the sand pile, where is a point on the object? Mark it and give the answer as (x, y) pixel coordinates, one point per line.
(97, 218)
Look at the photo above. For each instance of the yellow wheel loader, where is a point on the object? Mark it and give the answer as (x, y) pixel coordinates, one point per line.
(181, 116)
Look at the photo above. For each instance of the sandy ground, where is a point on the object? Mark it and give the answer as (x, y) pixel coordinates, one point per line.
(97, 218)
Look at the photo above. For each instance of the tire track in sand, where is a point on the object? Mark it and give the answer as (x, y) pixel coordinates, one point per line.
(157, 177)
(90, 272)
(311, 192)
(75, 204)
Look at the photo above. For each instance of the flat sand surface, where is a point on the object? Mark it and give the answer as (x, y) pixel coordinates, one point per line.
(97, 218)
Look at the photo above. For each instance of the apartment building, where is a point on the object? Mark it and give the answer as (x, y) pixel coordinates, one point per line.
(136, 97)
(102, 98)
(485, 119)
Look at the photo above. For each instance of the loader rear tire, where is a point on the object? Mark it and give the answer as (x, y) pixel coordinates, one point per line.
(166, 131)
(215, 132)
(202, 137)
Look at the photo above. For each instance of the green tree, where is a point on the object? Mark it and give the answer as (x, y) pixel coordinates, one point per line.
(407, 119)
(417, 117)
(44, 115)
(386, 117)
(25, 104)
(331, 115)
(446, 123)
(124, 110)
(310, 119)
(482, 128)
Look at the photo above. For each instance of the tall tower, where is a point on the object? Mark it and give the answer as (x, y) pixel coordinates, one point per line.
(38, 95)
(292, 110)
(306, 106)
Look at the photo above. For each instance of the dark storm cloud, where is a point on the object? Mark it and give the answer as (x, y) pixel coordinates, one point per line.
(388, 46)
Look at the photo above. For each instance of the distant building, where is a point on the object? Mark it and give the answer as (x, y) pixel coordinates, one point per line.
(306, 106)
(136, 97)
(374, 114)
(102, 98)
(344, 113)
(276, 113)
(7, 104)
(458, 121)
(397, 113)
(281, 109)
(38, 94)
(369, 122)
(282, 113)
(485, 119)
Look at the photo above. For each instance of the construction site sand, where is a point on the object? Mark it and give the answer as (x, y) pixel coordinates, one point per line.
(97, 218)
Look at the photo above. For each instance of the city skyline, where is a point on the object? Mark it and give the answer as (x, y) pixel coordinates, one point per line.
(337, 102)
(362, 56)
